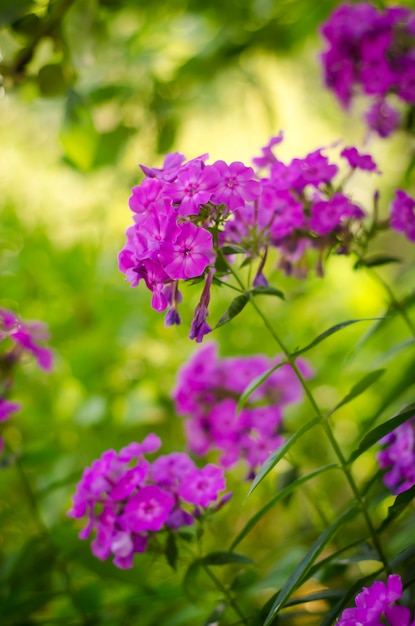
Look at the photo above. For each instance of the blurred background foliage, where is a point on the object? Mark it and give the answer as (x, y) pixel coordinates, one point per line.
(90, 89)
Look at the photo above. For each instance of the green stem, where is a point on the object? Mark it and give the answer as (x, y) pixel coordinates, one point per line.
(226, 593)
(326, 426)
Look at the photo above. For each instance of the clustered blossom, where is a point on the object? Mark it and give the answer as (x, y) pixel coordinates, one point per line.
(375, 604)
(16, 339)
(398, 457)
(371, 52)
(207, 392)
(186, 214)
(127, 499)
(402, 217)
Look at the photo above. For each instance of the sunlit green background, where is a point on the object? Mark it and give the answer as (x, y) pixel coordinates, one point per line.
(108, 85)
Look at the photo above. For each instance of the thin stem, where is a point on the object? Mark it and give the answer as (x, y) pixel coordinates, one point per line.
(326, 426)
(226, 593)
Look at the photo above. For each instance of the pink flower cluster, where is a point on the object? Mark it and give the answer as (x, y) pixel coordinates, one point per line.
(127, 499)
(376, 603)
(373, 53)
(207, 392)
(17, 338)
(398, 457)
(185, 213)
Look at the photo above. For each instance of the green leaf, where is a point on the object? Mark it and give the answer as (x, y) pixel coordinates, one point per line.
(78, 135)
(276, 456)
(257, 382)
(225, 558)
(215, 615)
(300, 573)
(377, 260)
(331, 331)
(171, 551)
(236, 306)
(380, 431)
(227, 250)
(52, 80)
(190, 579)
(12, 10)
(402, 500)
(280, 496)
(266, 290)
(359, 388)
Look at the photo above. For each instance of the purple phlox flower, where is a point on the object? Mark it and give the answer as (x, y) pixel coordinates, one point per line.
(383, 118)
(148, 510)
(134, 450)
(398, 457)
(327, 216)
(376, 75)
(268, 158)
(349, 22)
(197, 379)
(155, 277)
(402, 217)
(258, 447)
(399, 616)
(178, 518)
(236, 185)
(170, 470)
(146, 196)
(360, 161)
(288, 215)
(203, 485)
(193, 186)
(26, 337)
(171, 165)
(7, 408)
(200, 327)
(314, 169)
(189, 254)
(372, 602)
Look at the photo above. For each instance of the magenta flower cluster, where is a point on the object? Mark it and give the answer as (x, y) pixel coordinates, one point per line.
(127, 499)
(375, 604)
(186, 214)
(398, 457)
(17, 338)
(207, 392)
(371, 52)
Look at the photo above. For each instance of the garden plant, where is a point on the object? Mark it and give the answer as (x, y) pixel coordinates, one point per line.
(264, 472)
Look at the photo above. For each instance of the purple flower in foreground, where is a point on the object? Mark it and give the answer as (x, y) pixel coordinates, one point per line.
(357, 160)
(189, 254)
(127, 499)
(373, 604)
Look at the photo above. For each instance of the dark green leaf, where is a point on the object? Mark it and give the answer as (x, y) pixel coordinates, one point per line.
(300, 573)
(190, 579)
(227, 250)
(215, 616)
(52, 81)
(236, 306)
(276, 456)
(12, 10)
(280, 496)
(359, 388)
(331, 331)
(225, 558)
(171, 551)
(266, 290)
(377, 260)
(384, 429)
(402, 500)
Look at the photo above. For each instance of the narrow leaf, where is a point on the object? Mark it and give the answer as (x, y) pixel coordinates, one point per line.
(190, 579)
(236, 306)
(331, 331)
(383, 429)
(225, 558)
(257, 382)
(402, 500)
(301, 571)
(227, 250)
(171, 551)
(280, 496)
(265, 290)
(276, 456)
(359, 388)
(376, 260)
